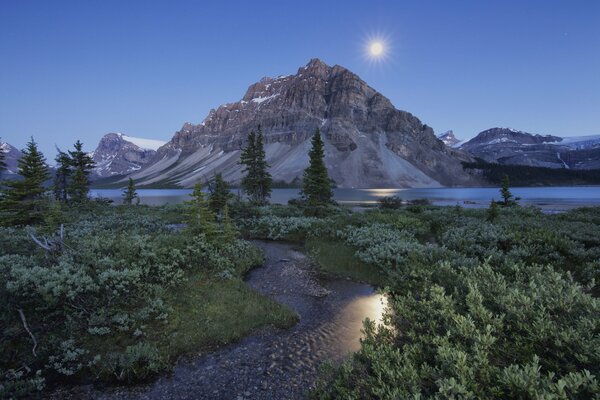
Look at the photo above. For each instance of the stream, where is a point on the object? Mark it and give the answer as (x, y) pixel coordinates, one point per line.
(274, 363)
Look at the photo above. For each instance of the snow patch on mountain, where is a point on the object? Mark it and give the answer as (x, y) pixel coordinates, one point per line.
(145, 144)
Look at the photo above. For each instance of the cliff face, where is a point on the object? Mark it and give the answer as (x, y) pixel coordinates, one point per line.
(118, 154)
(510, 146)
(368, 142)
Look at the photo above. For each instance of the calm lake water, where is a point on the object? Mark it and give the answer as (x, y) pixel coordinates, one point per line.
(553, 198)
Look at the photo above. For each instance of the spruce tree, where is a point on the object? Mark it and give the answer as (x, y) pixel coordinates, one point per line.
(507, 197)
(62, 175)
(247, 159)
(258, 181)
(201, 219)
(130, 193)
(82, 165)
(24, 201)
(316, 187)
(264, 179)
(219, 194)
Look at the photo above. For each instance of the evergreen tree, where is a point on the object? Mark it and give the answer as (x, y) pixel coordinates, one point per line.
(130, 193)
(82, 165)
(316, 187)
(219, 194)
(62, 175)
(264, 179)
(228, 232)
(24, 201)
(507, 197)
(257, 182)
(201, 219)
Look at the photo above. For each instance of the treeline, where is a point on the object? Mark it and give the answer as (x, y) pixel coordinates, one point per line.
(26, 200)
(521, 175)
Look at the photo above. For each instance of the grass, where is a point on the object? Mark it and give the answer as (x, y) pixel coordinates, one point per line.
(206, 314)
(338, 259)
(209, 314)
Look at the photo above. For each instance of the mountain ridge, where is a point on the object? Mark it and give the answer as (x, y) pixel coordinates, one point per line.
(368, 142)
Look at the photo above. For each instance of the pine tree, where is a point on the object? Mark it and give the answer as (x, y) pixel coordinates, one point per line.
(130, 193)
(82, 165)
(201, 219)
(62, 175)
(316, 187)
(258, 181)
(219, 194)
(24, 201)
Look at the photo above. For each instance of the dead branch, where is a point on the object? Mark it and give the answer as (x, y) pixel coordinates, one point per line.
(24, 321)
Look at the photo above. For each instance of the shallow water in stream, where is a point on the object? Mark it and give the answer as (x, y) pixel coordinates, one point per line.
(274, 363)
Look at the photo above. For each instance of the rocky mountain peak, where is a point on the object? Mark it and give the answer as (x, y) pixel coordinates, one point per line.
(369, 143)
(11, 158)
(315, 67)
(449, 139)
(119, 154)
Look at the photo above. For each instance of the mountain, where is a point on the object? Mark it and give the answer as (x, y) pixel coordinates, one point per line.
(11, 158)
(368, 142)
(511, 146)
(449, 139)
(118, 154)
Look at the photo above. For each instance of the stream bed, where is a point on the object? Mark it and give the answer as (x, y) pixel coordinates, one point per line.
(274, 363)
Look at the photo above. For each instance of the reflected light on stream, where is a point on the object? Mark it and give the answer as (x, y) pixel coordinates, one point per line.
(351, 317)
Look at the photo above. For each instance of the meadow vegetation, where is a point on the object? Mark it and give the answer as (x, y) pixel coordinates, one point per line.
(477, 308)
(496, 303)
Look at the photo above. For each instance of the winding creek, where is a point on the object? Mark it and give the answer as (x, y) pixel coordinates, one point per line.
(273, 363)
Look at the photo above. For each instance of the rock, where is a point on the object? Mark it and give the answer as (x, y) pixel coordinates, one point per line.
(368, 142)
(118, 154)
(11, 158)
(511, 146)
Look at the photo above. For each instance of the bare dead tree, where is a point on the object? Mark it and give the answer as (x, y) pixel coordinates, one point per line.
(52, 246)
(26, 326)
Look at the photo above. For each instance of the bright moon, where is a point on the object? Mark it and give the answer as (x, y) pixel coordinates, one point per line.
(376, 49)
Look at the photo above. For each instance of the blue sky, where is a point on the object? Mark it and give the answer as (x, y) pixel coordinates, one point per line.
(77, 70)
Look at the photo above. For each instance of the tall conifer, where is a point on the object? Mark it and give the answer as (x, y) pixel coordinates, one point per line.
(219, 194)
(62, 175)
(82, 165)
(316, 186)
(258, 181)
(24, 201)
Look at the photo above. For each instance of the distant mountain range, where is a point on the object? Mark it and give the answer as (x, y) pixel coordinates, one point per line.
(514, 147)
(368, 142)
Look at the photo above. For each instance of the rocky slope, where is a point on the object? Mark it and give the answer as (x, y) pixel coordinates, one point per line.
(118, 154)
(510, 146)
(368, 142)
(12, 155)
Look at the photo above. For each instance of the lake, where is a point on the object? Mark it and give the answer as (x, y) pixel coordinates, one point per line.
(550, 198)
